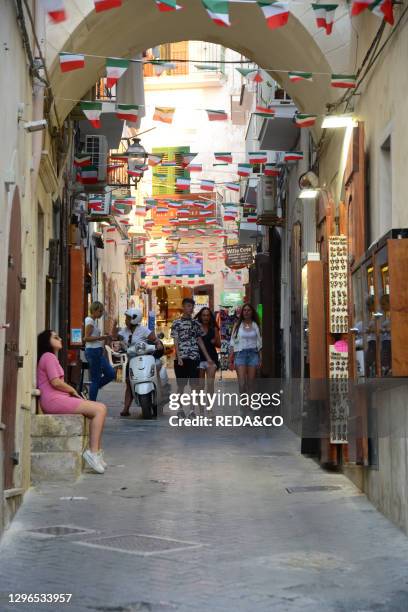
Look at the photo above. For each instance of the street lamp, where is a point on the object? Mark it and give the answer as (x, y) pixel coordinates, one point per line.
(137, 157)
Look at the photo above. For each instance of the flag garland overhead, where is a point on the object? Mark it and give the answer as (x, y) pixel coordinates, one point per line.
(275, 13)
(217, 115)
(300, 76)
(380, 8)
(344, 81)
(71, 61)
(304, 121)
(224, 156)
(164, 114)
(167, 5)
(115, 68)
(324, 14)
(127, 112)
(264, 111)
(92, 111)
(56, 10)
(218, 11)
(106, 5)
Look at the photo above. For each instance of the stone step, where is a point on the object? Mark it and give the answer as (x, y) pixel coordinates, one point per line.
(55, 425)
(55, 466)
(58, 444)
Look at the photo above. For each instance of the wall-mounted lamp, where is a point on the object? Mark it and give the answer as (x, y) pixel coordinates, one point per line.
(338, 121)
(35, 126)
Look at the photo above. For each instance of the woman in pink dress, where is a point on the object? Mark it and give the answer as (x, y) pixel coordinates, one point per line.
(57, 397)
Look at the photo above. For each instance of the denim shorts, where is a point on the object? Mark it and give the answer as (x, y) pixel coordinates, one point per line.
(247, 357)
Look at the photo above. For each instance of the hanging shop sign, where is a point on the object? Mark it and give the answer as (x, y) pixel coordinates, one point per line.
(339, 392)
(238, 256)
(232, 298)
(338, 284)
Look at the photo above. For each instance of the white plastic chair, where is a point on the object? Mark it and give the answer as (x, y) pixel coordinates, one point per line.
(121, 360)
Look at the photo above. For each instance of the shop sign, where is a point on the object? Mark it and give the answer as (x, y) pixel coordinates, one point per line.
(239, 256)
(339, 392)
(338, 284)
(201, 301)
(231, 298)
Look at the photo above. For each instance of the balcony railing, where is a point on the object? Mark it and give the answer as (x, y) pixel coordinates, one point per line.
(189, 52)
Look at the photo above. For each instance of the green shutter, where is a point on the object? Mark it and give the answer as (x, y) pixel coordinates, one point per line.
(168, 185)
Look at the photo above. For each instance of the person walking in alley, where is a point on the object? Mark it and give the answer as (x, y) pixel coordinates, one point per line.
(246, 348)
(101, 371)
(212, 341)
(132, 333)
(188, 343)
(57, 397)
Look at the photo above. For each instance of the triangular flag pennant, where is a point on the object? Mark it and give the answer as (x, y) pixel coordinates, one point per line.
(106, 5)
(276, 13)
(216, 115)
(246, 72)
(258, 78)
(115, 68)
(264, 111)
(127, 112)
(293, 156)
(207, 185)
(187, 159)
(194, 168)
(381, 8)
(244, 170)
(304, 121)
(224, 157)
(183, 183)
(232, 187)
(92, 111)
(71, 61)
(167, 5)
(258, 157)
(56, 10)
(82, 159)
(218, 11)
(271, 170)
(163, 114)
(300, 76)
(343, 81)
(154, 160)
(88, 175)
(324, 14)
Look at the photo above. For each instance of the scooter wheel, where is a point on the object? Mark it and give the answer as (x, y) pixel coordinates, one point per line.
(146, 404)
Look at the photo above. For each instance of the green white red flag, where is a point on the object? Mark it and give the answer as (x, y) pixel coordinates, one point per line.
(168, 164)
(381, 8)
(230, 214)
(207, 185)
(275, 13)
(115, 68)
(264, 111)
(106, 5)
(92, 111)
(55, 10)
(232, 187)
(154, 160)
(251, 218)
(195, 168)
(82, 159)
(216, 115)
(164, 114)
(71, 61)
(167, 5)
(218, 11)
(324, 14)
(95, 204)
(253, 74)
(244, 170)
(88, 175)
(183, 183)
(304, 121)
(224, 157)
(300, 76)
(293, 156)
(271, 170)
(187, 159)
(343, 81)
(257, 157)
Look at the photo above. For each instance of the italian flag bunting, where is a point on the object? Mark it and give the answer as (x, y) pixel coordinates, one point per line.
(293, 156)
(381, 8)
(195, 168)
(244, 170)
(55, 10)
(106, 5)
(92, 111)
(82, 159)
(127, 112)
(187, 159)
(300, 76)
(253, 74)
(232, 187)
(183, 183)
(167, 5)
(216, 115)
(71, 61)
(324, 14)
(271, 170)
(276, 13)
(154, 160)
(88, 175)
(207, 185)
(258, 157)
(95, 204)
(304, 121)
(164, 114)
(343, 81)
(230, 214)
(264, 111)
(224, 157)
(218, 11)
(115, 68)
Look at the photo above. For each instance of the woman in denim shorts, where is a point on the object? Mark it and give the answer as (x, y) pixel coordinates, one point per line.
(246, 348)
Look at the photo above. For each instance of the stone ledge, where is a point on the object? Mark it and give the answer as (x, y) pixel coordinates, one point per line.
(55, 466)
(57, 425)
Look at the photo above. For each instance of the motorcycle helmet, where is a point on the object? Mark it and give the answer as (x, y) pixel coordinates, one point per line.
(135, 315)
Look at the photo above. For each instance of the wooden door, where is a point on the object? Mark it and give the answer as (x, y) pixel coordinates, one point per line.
(11, 348)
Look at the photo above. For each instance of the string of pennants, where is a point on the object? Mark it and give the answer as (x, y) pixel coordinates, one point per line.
(276, 13)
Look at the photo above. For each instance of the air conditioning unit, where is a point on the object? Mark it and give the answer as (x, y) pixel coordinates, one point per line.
(97, 147)
(267, 193)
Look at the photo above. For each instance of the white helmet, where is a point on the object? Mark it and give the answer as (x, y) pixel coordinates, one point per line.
(135, 315)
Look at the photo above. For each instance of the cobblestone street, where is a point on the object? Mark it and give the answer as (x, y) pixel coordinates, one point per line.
(201, 520)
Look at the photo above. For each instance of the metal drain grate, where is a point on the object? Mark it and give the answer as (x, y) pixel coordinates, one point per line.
(138, 544)
(313, 488)
(60, 530)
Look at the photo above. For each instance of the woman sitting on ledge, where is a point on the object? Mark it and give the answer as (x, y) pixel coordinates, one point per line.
(57, 397)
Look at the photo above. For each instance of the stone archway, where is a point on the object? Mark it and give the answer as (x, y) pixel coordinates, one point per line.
(139, 26)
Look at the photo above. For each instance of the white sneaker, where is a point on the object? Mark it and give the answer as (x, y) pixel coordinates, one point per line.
(102, 459)
(93, 460)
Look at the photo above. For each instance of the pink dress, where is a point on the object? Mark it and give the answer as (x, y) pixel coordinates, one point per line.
(53, 401)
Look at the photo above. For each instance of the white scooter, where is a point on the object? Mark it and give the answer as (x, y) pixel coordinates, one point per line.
(150, 390)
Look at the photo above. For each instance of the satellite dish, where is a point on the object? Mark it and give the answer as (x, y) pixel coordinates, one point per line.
(308, 180)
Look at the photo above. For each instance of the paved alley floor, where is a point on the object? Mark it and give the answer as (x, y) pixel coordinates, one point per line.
(201, 520)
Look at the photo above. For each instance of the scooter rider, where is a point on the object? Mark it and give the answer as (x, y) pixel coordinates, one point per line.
(133, 333)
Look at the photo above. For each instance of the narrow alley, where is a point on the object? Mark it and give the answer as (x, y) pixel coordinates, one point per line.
(207, 523)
